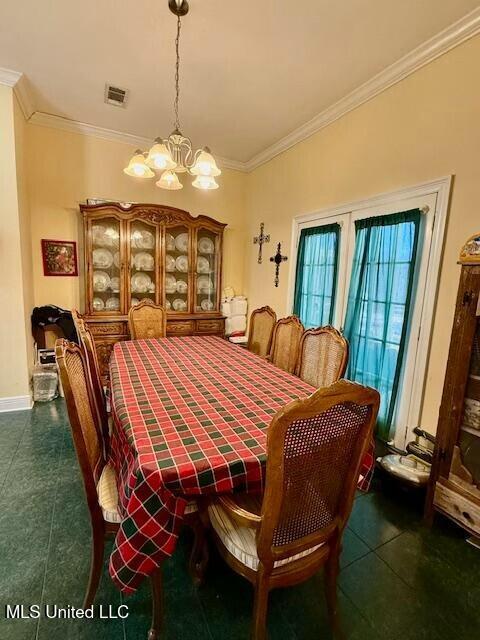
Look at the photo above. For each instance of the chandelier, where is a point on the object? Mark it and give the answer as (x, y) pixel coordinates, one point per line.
(174, 155)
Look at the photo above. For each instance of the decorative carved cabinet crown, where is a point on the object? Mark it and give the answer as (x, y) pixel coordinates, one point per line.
(139, 251)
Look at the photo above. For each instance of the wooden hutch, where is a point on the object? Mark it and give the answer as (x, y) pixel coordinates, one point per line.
(454, 488)
(139, 251)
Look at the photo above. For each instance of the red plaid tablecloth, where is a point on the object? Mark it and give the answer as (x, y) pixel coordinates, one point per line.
(190, 418)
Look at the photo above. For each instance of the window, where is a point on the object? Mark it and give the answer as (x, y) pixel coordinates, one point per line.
(378, 309)
(384, 254)
(316, 278)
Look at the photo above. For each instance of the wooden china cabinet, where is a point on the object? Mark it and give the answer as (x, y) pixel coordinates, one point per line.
(139, 251)
(454, 488)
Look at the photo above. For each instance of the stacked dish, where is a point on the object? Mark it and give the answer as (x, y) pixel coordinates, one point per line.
(206, 305)
(181, 264)
(181, 242)
(179, 305)
(112, 304)
(105, 236)
(170, 284)
(101, 281)
(144, 261)
(142, 239)
(182, 286)
(142, 283)
(115, 284)
(204, 285)
(206, 245)
(102, 258)
(98, 304)
(203, 265)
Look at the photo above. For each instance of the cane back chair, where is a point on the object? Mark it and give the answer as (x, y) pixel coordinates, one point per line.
(260, 331)
(87, 342)
(315, 447)
(323, 356)
(147, 320)
(285, 342)
(98, 477)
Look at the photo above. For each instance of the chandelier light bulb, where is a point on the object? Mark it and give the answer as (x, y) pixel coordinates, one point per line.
(137, 167)
(205, 164)
(205, 182)
(159, 157)
(169, 180)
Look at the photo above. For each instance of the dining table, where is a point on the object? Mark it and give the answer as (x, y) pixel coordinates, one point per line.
(189, 418)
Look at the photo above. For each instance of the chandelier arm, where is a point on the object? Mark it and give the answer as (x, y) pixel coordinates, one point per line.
(177, 75)
(194, 161)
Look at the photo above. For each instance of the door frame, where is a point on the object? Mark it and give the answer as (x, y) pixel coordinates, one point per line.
(422, 317)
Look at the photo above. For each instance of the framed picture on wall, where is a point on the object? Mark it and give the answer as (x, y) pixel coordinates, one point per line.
(59, 258)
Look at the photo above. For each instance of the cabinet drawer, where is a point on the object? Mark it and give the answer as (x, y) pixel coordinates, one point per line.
(211, 326)
(108, 328)
(180, 328)
(464, 511)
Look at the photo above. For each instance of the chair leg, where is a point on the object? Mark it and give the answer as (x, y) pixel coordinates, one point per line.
(199, 555)
(260, 606)
(96, 565)
(157, 605)
(330, 576)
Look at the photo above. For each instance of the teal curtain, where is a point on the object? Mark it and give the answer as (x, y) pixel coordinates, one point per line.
(316, 276)
(379, 302)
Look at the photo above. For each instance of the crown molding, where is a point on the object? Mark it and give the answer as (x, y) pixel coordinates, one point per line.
(452, 36)
(8, 77)
(23, 95)
(17, 81)
(65, 124)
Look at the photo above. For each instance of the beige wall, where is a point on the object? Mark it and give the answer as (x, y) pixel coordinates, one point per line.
(65, 169)
(24, 223)
(15, 347)
(425, 127)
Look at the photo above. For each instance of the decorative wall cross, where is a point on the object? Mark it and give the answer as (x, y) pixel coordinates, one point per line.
(278, 259)
(261, 240)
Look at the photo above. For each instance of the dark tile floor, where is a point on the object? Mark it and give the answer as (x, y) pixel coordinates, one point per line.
(399, 580)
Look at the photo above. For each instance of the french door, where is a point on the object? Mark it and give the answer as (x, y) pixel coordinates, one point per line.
(383, 322)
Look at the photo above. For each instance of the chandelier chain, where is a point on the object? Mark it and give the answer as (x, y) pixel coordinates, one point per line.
(177, 75)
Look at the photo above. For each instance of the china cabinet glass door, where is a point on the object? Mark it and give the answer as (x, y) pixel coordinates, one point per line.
(177, 269)
(106, 282)
(143, 252)
(206, 270)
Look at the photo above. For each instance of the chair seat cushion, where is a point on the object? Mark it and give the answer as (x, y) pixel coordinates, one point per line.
(108, 496)
(240, 540)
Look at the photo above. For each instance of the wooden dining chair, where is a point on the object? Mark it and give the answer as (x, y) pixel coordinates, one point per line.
(315, 447)
(322, 356)
(87, 342)
(260, 331)
(285, 342)
(99, 478)
(147, 320)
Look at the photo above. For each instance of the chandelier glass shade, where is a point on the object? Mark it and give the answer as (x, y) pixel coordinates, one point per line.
(175, 155)
(169, 180)
(137, 167)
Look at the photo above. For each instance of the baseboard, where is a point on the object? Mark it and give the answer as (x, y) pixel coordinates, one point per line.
(16, 403)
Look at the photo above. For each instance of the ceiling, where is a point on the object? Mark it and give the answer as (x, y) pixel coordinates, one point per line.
(251, 72)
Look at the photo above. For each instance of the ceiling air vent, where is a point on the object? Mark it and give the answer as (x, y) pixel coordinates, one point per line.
(115, 95)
